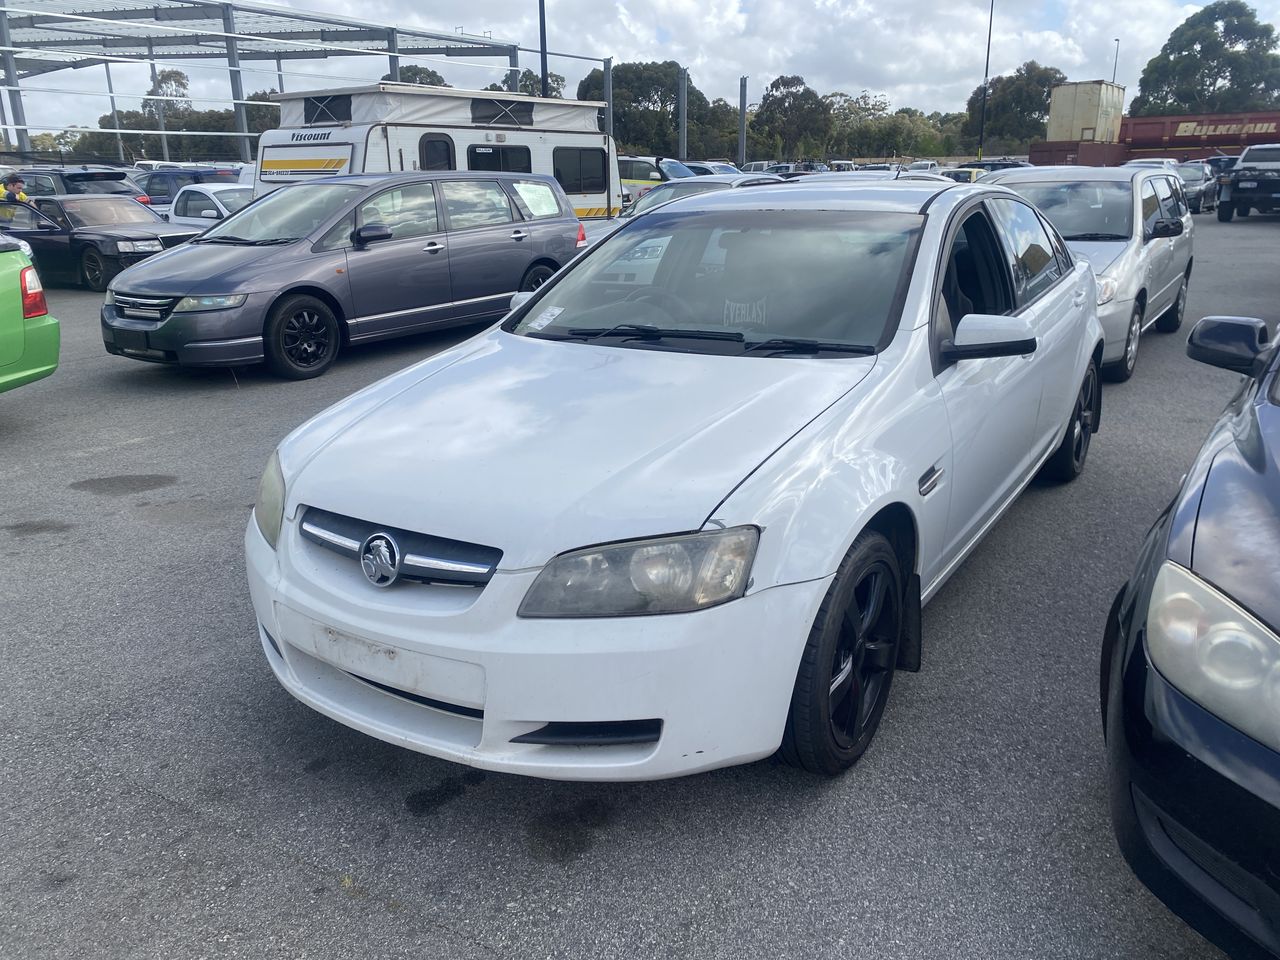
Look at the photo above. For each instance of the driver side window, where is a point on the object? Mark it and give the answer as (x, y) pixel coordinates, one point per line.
(975, 279)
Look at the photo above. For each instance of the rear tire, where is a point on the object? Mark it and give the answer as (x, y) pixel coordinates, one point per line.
(1171, 319)
(1226, 212)
(301, 338)
(847, 667)
(1068, 460)
(1121, 370)
(96, 271)
(536, 276)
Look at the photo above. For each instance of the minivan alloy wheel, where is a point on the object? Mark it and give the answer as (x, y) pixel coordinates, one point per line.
(306, 338)
(301, 337)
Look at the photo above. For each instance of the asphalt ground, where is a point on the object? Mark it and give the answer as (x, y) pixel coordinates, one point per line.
(161, 796)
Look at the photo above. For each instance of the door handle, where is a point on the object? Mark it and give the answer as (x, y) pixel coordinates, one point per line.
(433, 247)
(929, 480)
(1078, 299)
(518, 234)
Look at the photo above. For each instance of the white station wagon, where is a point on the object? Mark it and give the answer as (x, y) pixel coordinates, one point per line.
(682, 507)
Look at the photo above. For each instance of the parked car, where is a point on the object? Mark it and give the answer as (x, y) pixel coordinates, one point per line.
(641, 174)
(962, 174)
(28, 334)
(862, 176)
(706, 168)
(312, 266)
(162, 186)
(201, 205)
(1167, 163)
(1190, 670)
(88, 239)
(1252, 184)
(799, 169)
(784, 428)
(1133, 225)
(701, 184)
(1221, 164)
(923, 166)
(757, 166)
(891, 167)
(60, 181)
(1200, 185)
(999, 163)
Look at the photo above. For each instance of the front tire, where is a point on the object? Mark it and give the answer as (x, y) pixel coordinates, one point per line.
(301, 338)
(95, 270)
(1171, 319)
(847, 667)
(1068, 460)
(1122, 369)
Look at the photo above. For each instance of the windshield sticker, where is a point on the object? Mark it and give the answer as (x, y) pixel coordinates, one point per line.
(545, 317)
(750, 314)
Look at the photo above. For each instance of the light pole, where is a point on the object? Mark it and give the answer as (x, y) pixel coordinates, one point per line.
(542, 33)
(986, 73)
(1115, 66)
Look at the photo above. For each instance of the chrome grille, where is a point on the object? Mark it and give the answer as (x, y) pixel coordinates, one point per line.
(143, 308)
(426, 559)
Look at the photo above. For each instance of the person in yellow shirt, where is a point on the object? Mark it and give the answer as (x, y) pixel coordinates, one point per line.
(13, 185)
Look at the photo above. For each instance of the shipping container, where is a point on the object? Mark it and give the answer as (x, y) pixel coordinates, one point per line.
(1198, 136)
(1088, 111)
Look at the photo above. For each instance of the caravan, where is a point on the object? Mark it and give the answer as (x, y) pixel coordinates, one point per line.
(390, 127)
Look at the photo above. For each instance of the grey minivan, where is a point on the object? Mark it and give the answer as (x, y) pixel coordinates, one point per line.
(306, 268)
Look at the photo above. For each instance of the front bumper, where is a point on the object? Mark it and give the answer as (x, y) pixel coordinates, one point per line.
(452, 672)
(208, 338)
(1194, 802)
(1114, 316)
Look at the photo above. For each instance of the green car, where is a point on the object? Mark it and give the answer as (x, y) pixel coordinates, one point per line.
(28, 335)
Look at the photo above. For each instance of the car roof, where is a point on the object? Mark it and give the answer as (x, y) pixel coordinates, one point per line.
(910, 196)
(90, 197)
(215, 187)
(1066, 173)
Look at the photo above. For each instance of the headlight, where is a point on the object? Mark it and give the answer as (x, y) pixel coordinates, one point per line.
(1216, 653)
(110, 296)
(194, 304)
(269, 509)
(670, 575)
(139, 246)
(1106, 290)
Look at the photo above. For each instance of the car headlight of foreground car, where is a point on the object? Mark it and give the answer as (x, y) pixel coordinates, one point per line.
(223, 302)
(268, 511)
(1215, 652)
(667, 575)
(139, 246)
(1106, 290)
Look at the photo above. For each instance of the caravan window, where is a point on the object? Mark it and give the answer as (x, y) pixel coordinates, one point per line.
(579, 170)
(507, 159)
(435, 152)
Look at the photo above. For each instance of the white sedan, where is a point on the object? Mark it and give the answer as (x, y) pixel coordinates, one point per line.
(682, 507)
(204, 204)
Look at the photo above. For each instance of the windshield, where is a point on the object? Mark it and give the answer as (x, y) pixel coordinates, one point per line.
(672, 191)
(1260, 155)
(285, 214)
(219, 178)
(675, 170)
(1083, 209)
(234, 200)
(1191, 172)
(106, 211)
(735, 281)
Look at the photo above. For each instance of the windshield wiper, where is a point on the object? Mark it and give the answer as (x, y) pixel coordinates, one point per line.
(644, 331)
(272, 241)
(239, 240)
(1096, 236)
(803, 345)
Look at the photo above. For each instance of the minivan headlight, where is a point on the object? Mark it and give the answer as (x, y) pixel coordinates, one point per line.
(1215, 652)
(667, 575)
(268, 511)
(225, 302)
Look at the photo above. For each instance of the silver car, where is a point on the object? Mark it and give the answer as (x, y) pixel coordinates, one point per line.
(1133, 225)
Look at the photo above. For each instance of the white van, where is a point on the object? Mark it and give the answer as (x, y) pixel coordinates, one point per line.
(389, 127)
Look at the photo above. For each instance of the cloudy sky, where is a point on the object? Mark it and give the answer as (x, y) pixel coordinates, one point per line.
(922, 53)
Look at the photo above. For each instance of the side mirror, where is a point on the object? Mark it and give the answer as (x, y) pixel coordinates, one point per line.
(979, 336)
(1232, 343)
(655, 176)
(521, 298)
(163, 216)
(1166, 228)
(209, 214)
(371, 233)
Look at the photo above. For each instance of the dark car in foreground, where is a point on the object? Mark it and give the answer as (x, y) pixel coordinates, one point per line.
(1190, 670)
(88, 239)
(307, 268)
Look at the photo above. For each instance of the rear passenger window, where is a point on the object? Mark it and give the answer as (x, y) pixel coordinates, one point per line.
(158, 187)
(1150, 208)
(40, 187)
(1035, 267)
(538, 199)
(504, 159)
(475, 203)
(637, 170)
(579, 169)
(408, 211)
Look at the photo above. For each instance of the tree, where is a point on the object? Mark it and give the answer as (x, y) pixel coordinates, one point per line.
(795, 114)
(171, 86)
(417, 74)
(644, 106)
(1220, 59)
(530, 84)
(1017, 107)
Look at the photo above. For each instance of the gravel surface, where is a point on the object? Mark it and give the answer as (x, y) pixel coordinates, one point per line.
(163, 797)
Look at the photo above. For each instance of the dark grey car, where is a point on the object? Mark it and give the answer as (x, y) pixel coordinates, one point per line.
(307, 268)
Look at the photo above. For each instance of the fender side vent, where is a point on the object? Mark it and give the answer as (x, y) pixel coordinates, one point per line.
(609, 733)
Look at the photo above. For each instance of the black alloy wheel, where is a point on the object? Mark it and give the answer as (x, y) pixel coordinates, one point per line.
(847, 667)
(535, 277)
(1171, 319)
(301, 338)
(1122, 369)
(1068, 460)
(94, 270)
